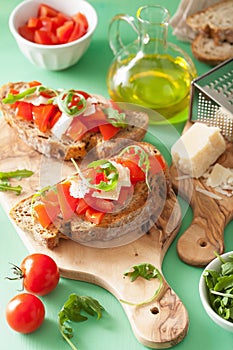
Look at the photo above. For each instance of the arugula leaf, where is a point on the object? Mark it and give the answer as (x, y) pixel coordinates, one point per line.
(110, 172)
(19, 174)
(147, 271)
(12, 98)
(64, 101)
(72, 311)
(6, 187)
(220, 288)
(115, 117)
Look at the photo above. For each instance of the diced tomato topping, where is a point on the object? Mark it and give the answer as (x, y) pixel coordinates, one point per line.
(76, 129)
(46, 10)
(67, 203)
(77, 32)
(42, 215)
(108, 131)
(64, 32)
(24, 110)
(81, 206)
(136, 173)
(94, 216)
(82, 19)
(45, 38)
(34, 83)
(55, 117)
(42, 115)
(100, 177)
(52, 27)
(34, 23)
(27, 32)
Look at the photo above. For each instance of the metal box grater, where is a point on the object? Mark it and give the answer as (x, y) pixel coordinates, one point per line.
(211, 99)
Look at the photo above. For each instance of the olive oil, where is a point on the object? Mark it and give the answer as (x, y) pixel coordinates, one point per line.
(160, 82)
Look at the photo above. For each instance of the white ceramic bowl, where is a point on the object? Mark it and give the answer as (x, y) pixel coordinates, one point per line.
(203, 291)
(53, 57)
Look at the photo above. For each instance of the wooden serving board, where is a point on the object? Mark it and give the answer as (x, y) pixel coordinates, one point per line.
(160, 323)
(205, 235)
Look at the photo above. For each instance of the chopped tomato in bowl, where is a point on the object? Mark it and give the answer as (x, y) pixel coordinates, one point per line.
(53, 34)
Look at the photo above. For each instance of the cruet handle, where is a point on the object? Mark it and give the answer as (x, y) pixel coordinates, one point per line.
(115, 40)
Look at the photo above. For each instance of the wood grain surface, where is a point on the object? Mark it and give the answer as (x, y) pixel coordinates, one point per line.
(160, 323)
(205, 235)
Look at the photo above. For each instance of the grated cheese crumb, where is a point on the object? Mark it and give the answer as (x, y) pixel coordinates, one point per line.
(79, 188)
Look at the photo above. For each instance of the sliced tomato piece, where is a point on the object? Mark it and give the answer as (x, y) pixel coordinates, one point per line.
(26, 32)
(84, 93)
(157, 164)
(76, 129)
(34, 22)
(46, 10)
(136, 173)
(100, 204)
(42, 215)
(24, 110)
(82, 19)
(81, 206)
(77, 32)
(67, 203)
(94, 216)
(45, 38)
(56, 116)
(42, 115)
(108, 131)
(63, 32)
(47, 24)
(34, 83)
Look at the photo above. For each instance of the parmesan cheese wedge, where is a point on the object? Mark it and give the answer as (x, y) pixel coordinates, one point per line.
(197, 149)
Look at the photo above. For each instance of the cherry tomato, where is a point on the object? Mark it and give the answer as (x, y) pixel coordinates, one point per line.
(40, 274)
(25, 313)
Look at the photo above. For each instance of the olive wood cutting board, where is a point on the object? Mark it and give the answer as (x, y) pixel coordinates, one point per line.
(160, 323)
(205, 235)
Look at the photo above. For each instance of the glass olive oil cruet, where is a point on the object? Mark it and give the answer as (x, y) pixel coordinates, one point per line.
(149, 71)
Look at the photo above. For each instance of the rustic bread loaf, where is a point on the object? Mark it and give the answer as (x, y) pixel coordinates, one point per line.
(205, 50)
(65, 148)
(143, 211)
(216, 21)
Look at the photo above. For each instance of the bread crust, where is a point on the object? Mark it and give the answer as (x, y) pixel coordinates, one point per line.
(49, 145)
(143, 211)
(215, 21)
(205, 50)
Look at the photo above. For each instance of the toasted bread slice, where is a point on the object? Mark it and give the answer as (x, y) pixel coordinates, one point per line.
(136, 218)
(205, 50)
(65, 148)
(215, 21)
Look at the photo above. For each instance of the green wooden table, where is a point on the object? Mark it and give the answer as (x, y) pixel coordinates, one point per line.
(113, 332)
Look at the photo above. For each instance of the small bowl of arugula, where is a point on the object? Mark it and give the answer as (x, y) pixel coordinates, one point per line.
(216, 290)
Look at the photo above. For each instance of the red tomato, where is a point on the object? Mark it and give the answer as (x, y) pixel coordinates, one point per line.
(82, 206)
(24, 110)
(25, 313)
(42, 115)
(40, 274)
(64, 32)
(47, 11)
(52, 27)
(136, 173)
(108, 131)
(67, 203)
(94, 216)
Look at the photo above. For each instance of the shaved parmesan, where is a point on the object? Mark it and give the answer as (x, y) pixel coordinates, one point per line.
(207, 193)
(221, 179)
